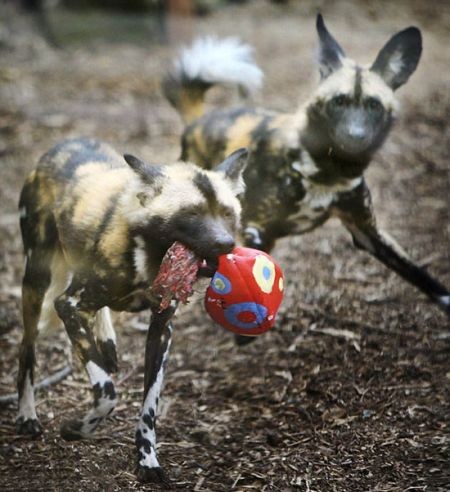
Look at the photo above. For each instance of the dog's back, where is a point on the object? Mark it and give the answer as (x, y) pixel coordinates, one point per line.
(209, 138)
(77, 176)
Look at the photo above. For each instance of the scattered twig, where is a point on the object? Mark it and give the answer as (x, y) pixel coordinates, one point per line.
(347, 334)
(52, 379)
(236, 481)
(126, 376)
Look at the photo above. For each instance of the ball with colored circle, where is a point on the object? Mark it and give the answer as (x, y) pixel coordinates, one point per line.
(245, 292)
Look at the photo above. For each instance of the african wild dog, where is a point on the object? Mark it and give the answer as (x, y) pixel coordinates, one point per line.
(95, 231)
(307, 166)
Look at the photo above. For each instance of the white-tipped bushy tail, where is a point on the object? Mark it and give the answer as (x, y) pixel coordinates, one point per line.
(207, 62)
(220, 61)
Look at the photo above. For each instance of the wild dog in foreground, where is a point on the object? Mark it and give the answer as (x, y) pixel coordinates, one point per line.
(94, 232)
(307, 166)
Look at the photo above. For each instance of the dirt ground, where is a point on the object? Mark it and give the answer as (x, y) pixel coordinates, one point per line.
(350, 391)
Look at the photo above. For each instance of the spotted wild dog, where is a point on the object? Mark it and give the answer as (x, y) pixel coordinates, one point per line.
(94, 232)
(306, 166)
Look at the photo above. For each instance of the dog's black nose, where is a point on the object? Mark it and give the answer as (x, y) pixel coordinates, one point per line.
(223, 245)
(226, 245)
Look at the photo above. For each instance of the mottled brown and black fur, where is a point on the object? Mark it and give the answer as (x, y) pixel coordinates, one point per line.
(95, 229)
(306, 166)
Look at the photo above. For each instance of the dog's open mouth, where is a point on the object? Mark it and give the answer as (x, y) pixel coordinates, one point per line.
(177, 274)
(208, 267)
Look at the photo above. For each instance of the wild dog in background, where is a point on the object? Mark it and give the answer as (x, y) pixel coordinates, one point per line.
(94, 232)
(306, 166)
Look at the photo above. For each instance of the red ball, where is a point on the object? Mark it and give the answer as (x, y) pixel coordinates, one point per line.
(245, 292)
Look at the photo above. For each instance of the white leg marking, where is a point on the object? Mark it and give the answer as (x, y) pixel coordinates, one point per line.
(445, 300)
(27, 408)
(390, 241)
(104, 328)
(254, 234)
(97, 374)
(105, 403)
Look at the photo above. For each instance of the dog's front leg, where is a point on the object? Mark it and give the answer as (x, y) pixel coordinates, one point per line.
(78, 314)
(156, 355)
(355, 211)
(257, 238)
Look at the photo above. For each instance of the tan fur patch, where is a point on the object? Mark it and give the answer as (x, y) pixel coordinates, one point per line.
(224, 194)
(191, 104)
(114, 241)
(199, 141)
(93, 200)
(239, 134)
(91, 168)
(341, 81)
(178, 191)
(47, 190)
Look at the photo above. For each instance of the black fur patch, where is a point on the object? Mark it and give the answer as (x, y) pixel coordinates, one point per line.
(148, 420)
(27, 360)
(106, 220)
(98, 393)
(109, 390)
(142, 442)
(358, 85)
(206, 188)
(107, 349)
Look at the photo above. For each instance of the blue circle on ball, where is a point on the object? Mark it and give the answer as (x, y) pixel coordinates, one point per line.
(220, 284)
(266, 272)
(232, 312)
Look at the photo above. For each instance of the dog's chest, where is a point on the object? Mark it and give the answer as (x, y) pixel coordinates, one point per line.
(314, 207)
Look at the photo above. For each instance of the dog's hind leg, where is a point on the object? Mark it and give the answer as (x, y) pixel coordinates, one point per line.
(78, 315)
(40, 242)
(106, 339)
(35, 283)
(156, 355)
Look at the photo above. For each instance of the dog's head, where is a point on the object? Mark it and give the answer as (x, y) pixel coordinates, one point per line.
(354, 106)
(184, 203)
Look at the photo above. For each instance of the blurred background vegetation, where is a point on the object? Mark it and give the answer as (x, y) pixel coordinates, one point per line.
(69, 22)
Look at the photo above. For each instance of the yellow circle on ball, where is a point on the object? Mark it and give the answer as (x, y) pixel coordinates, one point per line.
(219, 284)
(264, 273)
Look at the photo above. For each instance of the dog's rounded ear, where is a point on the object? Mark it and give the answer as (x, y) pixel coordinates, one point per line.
(233, 167)
(399, 57)
(147, 172)
(330, 52)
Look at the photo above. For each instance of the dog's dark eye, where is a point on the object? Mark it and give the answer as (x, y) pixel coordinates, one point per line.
(194, 213)
(339, 101)
(337, 104)
(228, 213)
(374, 104)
